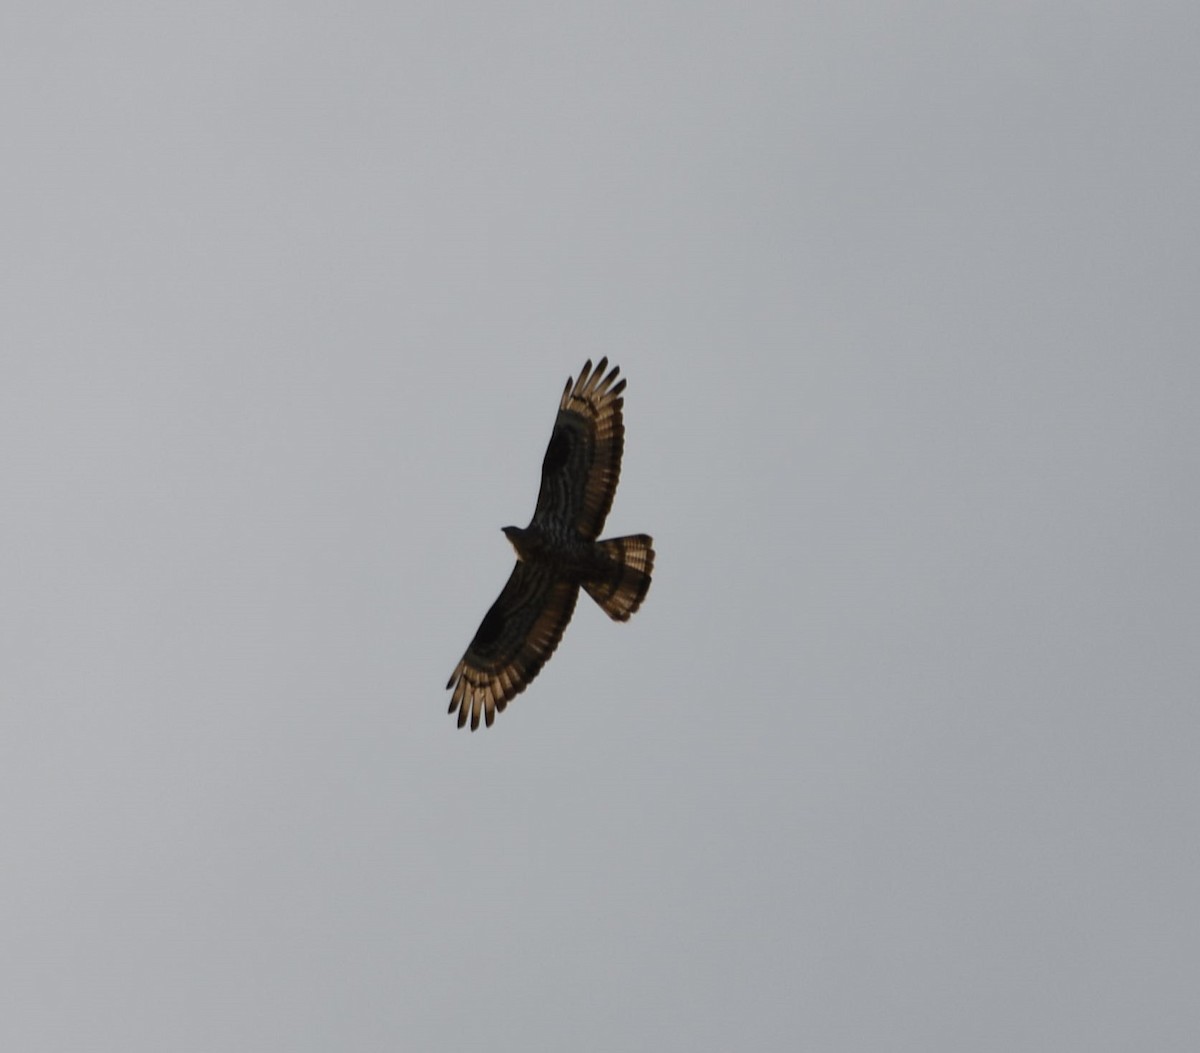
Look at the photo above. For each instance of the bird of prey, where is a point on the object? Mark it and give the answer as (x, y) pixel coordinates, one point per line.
(558, 553)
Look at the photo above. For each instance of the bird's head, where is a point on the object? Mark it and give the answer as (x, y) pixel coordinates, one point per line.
(527, 541)
(516, 536)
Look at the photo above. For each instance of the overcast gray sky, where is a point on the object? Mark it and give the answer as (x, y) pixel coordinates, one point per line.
(901, 751)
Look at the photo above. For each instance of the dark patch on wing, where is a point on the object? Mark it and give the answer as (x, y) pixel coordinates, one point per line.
(558, 452)
(564, 473)
(491, 627)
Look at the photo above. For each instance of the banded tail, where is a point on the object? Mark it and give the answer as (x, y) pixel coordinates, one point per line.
(629, 563)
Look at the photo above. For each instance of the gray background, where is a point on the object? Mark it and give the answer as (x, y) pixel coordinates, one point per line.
(900, 753)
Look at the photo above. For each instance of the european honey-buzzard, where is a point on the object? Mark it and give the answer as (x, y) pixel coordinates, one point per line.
(558, 553)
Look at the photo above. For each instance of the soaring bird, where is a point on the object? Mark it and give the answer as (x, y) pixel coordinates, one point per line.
(559, 552)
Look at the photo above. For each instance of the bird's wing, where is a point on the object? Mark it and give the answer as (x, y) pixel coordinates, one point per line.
(583, 461)
(515, 639)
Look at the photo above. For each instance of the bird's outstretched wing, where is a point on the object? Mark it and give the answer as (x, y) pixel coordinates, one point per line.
(515, 639)
(583, 461)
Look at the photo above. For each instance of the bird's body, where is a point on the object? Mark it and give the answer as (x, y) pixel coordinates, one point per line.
(558, 553)
(568, 555)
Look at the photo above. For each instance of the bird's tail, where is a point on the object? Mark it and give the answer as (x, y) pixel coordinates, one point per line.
(625, 580)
